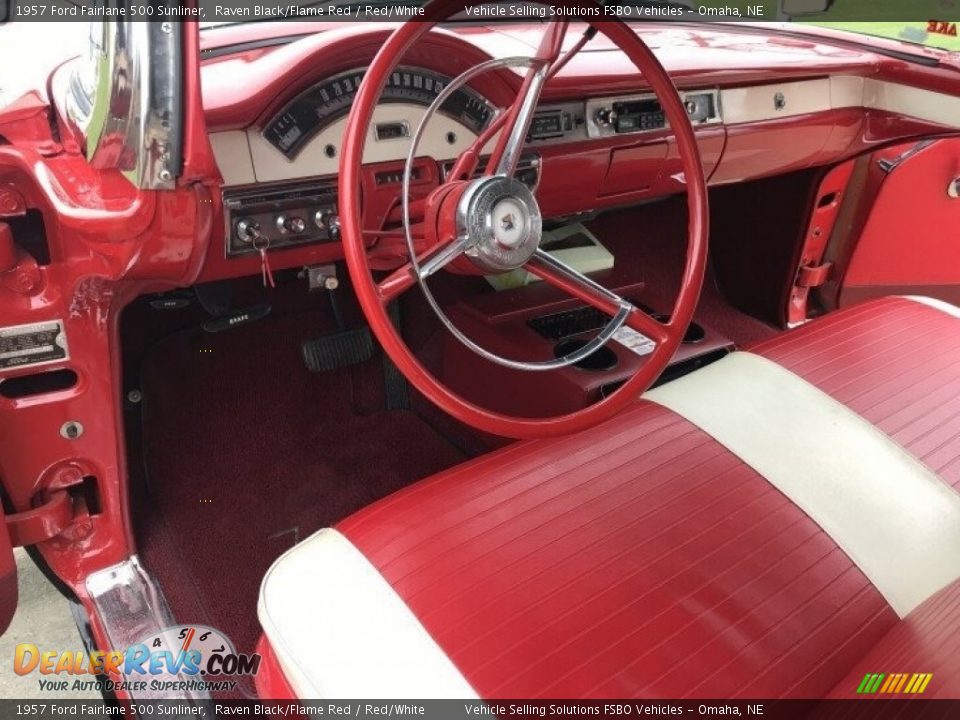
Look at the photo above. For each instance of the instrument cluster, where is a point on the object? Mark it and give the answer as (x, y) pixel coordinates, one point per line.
(325, 103)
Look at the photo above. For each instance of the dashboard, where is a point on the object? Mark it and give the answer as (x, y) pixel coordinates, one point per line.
(308, 131)
(598, 139)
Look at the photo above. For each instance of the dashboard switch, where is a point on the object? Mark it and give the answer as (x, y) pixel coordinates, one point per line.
(279, 215)
(333, 226)
(291, 224)
(605, 117)
(248, 230)
(327, 219)
(627, 123)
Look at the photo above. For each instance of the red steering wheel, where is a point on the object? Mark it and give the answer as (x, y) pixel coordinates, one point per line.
(492, 224)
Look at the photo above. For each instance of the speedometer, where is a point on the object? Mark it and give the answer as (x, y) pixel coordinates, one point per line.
(328, 101)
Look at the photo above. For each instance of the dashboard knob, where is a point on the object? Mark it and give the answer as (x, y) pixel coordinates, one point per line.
(292, 224)
(605, 117)
(320, 218)
(691, 106)
(333, 226)
(248, 230)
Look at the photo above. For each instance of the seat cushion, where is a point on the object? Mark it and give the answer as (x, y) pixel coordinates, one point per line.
(644, 557)
(639, 559)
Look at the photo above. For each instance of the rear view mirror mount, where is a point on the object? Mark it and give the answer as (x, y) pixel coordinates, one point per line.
(799, 8)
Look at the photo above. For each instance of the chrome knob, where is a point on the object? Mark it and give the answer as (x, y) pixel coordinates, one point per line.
(333, 226)
(293, 224)
(605, 117)
(691, 106)
(247, 229)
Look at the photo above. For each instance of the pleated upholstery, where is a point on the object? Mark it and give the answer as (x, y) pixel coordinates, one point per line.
(894, 361)
(640, 558)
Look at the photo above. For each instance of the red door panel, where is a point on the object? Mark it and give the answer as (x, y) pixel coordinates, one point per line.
(910, 243)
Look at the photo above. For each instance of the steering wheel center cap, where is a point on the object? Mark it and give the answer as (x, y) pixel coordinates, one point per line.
(509, 222)
(501, 219)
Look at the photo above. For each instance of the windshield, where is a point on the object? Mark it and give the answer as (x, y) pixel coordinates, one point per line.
(46, 44)
(926, 33)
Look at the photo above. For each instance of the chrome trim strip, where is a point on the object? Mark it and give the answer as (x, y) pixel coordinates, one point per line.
(130, 606)
(518, 133)
(136, 122)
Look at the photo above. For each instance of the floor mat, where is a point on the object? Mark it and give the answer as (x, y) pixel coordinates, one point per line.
(247, 452)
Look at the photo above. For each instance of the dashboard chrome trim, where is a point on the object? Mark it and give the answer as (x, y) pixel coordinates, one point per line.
(596, 105)
(308, 199)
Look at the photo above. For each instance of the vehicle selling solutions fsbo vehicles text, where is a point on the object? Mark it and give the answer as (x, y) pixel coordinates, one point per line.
(519, 10)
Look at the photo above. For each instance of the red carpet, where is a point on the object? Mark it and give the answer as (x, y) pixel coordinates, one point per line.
(246, 451)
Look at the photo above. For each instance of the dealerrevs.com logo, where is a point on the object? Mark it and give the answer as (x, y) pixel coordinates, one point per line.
(177, 659)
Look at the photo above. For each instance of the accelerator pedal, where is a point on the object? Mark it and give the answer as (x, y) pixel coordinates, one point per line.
(338, 349)
(394, 383)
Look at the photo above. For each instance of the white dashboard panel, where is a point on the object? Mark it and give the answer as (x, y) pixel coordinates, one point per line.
(232, 152)
(768, 102)
(846, 91)
(912, 102)
(246, 157)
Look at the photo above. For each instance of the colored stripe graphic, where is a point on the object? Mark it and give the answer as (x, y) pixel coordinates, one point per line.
(870, 683)
(894, 683)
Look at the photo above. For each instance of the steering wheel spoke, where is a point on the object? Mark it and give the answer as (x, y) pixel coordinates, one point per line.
(557, 273)
(641, 322)
(509, 146)
(427, 263)
(466, 164)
